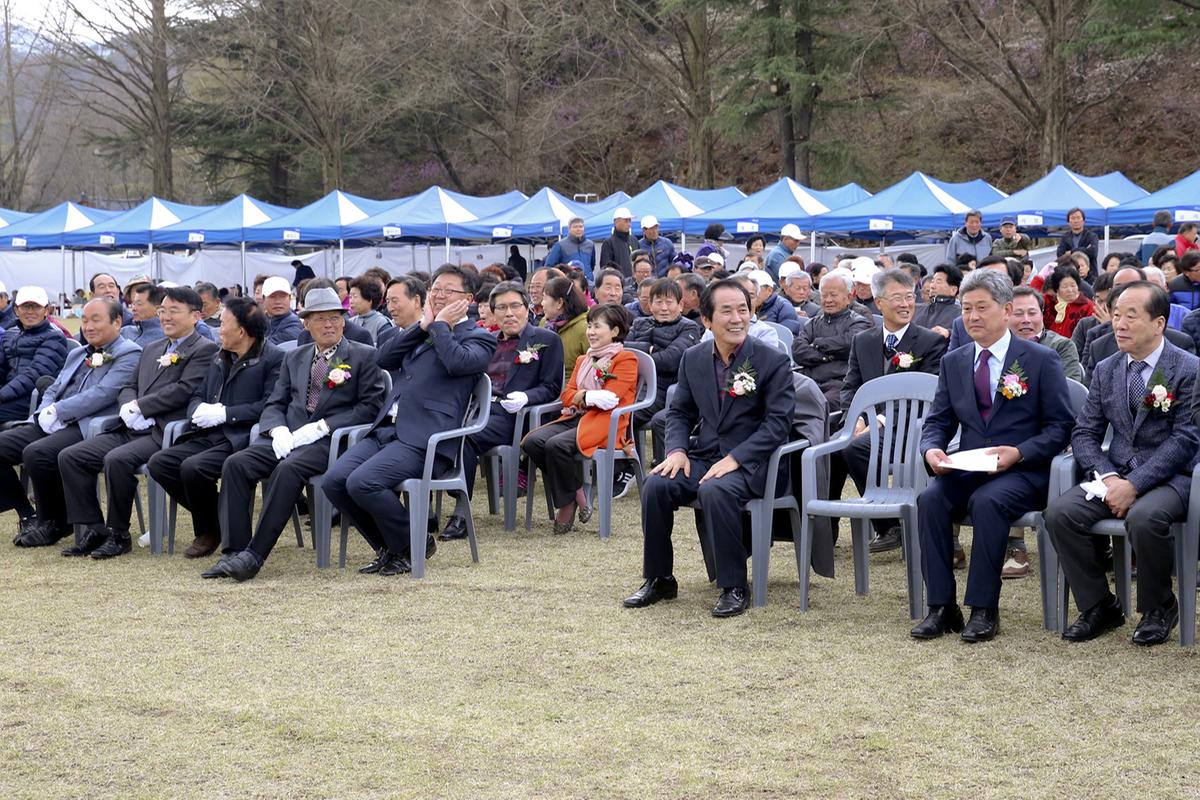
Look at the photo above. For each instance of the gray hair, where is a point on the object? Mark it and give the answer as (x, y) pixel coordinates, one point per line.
(845, 278)
(992, 282)
(885, 276)
(573, 220)
(800, 274)
(1156, 276)
(508, 286)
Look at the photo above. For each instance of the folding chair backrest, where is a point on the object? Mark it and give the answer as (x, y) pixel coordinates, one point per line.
(903, 400)
(1079, 395)
(73, 343)
(476, 414)
(786, 337)
(291, 344)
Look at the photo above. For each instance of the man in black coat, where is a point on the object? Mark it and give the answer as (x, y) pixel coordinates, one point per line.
(737, 394)
(1079, 238)
(526, 369)
(158, 392)
(221, 413)
(618, 248)
(897, 346)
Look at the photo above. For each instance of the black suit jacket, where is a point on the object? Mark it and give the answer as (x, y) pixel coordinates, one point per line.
(242, 387)
(868, 359)
(354, 402)
(162, 393)
(541, 380)
(1101, 343)
(749, 427)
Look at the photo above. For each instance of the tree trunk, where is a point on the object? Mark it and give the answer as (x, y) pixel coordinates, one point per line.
(701, 141)
(804, 96)
(780, 89)
(1054, 114)
(161, 152)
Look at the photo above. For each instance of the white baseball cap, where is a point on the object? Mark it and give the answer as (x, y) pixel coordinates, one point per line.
(760, 277)
(717, 259)
(787, 269)
(649, 221)
(3, 288)
(622, 213)
(32, 294)
(792, 231)
(275, 284)
(864, 269)
(748, 265)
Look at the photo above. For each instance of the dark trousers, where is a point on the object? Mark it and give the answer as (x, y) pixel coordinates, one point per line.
(362, 484)
(1148, 524)
(994, 503)
(28, 445)
(658, 429)
(721, 501)
(856, 459)
(189, 471)
(242, 472)
(498, 431)
(119, 455)
(554, 450)
(646, 418)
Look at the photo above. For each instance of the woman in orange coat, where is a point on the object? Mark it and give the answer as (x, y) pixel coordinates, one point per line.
(604, 377)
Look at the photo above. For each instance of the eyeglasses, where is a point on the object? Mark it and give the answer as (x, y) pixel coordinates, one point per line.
(901, 298)
(173, 312)
(440, 290)
(504, 308)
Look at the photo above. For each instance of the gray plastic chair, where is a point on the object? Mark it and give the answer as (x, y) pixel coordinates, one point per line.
(153, 490)
(501, 464)
(604, 460)
(904, 400)
(539, 416)
(290, 344)
(420, 489)
(786, 338)
(1187, 550)
(1047, 556)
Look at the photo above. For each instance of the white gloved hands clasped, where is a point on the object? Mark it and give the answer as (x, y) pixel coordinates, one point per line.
(48, 421)
(602, 399)
(129, 411)
(514, 402)
(312, 432)
(208, 415)
(281, 441)
(140, 423)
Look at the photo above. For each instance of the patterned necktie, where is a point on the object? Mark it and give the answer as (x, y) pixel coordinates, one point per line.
(983, 384)
(1137, 387)
(316, 379)
(890, 342)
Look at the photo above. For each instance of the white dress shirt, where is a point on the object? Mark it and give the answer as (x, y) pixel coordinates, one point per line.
(998, 351)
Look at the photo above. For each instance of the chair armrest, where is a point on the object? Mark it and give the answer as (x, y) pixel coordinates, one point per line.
(614, 418)
(96, 426)
(172, 431)
(537, 413)
(1062, 474)
(787, 448)
(350, 434)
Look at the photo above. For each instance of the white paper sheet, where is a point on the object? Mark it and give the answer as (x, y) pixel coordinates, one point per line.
(978, 460)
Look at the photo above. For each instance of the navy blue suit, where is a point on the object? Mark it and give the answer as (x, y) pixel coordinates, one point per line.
(749, 428)
(542, 380)
(1038, 424)
(435, 372)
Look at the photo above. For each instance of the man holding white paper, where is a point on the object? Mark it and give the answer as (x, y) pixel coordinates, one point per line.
(1009, 396)
(1144, 393)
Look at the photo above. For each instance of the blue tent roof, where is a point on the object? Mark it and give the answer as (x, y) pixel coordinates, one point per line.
(669, 203)
(429, 214)
(1045, 202)
(324, 220)
(47, 228)
(769, 209)
(1181, 198)
(543, 216)
(916, 203)
(132, 227)
(224, 224)
(609, 203)
(9, 217)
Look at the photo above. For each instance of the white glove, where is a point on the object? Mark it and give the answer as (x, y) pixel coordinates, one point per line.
(129, 411)
(281, 441)
(312, 432)
(47, 417)
(208, 415)
(514, 402)
(56, 426)
(602, 399)
(139, 423)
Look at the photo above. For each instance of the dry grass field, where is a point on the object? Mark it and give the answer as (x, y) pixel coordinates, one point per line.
(523, 676)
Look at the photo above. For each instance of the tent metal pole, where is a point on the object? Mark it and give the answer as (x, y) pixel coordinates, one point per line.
(153, 271)
(428, 257)
(62, 264)
(412, 259)
(1105, 255)
(812, 248)
(682, 242)
(447, 249)
(341, 256)
(243, 268)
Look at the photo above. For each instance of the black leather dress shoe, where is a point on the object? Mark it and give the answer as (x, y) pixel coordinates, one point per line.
(89, 540)
(456, 528)
(1156, 626)
(938, 622)
(242, 566)
(983, 625)
(381, 558)
(217, 570)
(888, 540)
(118, 543)
(1096, 621)
(396, 565)
(733, 601)
(25, 525)
(44, 534)
(653, 590)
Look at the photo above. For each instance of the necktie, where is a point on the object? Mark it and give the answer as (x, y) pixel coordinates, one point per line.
(1137, 387)
(983, 384)
(316, 379)
(890, 341)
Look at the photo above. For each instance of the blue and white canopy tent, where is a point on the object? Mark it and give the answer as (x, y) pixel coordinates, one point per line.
(132, 228)
(1181, 198)
(46, 230)
(917, 203)
(543, 216)
(669, 203)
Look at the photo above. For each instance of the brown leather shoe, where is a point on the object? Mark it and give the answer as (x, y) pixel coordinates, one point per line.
(960, 558)
(1016, 566)
(203, 546)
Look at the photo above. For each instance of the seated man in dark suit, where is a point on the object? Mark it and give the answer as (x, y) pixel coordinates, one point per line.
(526, 368)
(822, 348)
(737, 394)
(86, 387)
(897, 346)
(939, 314)
(221, 413)
(436, 364)
(352, 330)
(1102, 343)
(327, 385)
(168, 372)
(1145, 395)
(1008, 396)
